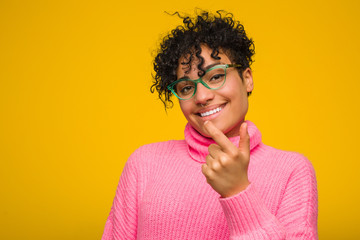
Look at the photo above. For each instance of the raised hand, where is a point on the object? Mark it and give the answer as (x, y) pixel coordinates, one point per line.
(226, 165)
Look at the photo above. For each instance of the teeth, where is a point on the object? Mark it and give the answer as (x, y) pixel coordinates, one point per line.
(211, 112)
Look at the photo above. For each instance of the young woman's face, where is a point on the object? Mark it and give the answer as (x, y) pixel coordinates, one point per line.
(231, 99)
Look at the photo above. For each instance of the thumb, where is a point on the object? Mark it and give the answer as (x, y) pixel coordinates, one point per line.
(244, 143)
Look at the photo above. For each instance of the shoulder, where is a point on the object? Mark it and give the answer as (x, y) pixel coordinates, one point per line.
(153, 151)
(157, 147)
(284, 169)
(289, 160)
(148, 160)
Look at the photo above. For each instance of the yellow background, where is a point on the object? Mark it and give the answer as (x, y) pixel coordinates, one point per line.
(75, 103)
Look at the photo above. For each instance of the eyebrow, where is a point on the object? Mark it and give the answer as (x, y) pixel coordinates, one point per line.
(212, 65)
(206, 68)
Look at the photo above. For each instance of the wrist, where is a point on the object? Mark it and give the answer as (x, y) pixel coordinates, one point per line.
(236, 190)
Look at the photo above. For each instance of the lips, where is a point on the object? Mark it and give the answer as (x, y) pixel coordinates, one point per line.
(210, 110)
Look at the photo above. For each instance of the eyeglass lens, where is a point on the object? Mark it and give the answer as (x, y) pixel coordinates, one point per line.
(213, 79)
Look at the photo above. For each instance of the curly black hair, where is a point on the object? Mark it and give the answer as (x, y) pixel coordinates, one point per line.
(219, 31)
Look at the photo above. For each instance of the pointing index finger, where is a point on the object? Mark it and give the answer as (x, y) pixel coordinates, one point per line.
(218, 136)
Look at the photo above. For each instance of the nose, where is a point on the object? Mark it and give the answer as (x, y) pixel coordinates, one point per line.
(203, 95)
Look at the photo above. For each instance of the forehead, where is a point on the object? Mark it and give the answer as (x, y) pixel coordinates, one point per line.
(189, 64)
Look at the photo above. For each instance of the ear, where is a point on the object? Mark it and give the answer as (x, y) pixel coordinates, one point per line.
(248, 79)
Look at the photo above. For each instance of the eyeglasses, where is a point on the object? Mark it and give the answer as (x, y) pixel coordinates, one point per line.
(214, 78)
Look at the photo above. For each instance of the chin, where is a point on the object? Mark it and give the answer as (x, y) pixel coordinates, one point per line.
(203, 132)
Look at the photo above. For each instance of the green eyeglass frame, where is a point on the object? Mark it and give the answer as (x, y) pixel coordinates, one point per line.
(200, 80)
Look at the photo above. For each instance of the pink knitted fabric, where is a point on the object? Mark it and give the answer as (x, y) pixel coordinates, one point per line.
(162, 194)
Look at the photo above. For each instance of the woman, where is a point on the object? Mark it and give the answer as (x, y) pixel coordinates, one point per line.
(221, 181)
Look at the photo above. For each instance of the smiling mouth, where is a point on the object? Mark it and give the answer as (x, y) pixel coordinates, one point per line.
(211, 112)
(208, 113)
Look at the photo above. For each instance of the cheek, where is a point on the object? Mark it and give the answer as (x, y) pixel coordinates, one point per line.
(233, 91)
(237, 95)
(185, 108)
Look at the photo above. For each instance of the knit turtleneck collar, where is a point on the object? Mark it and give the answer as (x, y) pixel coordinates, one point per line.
(198, 144)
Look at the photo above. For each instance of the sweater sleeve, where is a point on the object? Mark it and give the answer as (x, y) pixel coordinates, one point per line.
(296, 217)
(122, 220)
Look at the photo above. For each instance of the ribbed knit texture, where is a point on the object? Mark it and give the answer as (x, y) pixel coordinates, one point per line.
(162, 194)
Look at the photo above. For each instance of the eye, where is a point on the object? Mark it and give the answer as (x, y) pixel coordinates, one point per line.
(217, 77)
(185, 87)
(186, 90)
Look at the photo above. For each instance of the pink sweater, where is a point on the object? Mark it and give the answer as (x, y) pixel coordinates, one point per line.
(162, 194)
